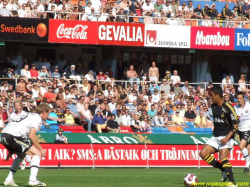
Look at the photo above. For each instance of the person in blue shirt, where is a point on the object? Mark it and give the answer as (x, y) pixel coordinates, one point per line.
(56, 73)
(152, 111)
(73, 109)
(153, 87)
(99, 121)
(44, 72)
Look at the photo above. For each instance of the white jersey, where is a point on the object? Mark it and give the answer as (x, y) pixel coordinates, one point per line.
(243, 116)
(21, 128)
(16, 118)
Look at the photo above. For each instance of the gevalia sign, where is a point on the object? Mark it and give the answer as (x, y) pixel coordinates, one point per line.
(20, 29)
(167, 36)
(127, 34)
(212, 38)
(242, 39)
(69, 31)
(124, 155)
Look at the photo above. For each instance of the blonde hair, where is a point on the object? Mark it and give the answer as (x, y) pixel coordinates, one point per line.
(60, 130)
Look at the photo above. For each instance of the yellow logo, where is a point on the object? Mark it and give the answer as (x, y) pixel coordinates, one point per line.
(142, 139)
(40, 139)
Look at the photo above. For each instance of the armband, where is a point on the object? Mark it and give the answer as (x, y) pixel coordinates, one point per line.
(235, 128)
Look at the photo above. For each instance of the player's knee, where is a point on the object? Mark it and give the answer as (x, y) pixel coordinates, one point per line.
(203, 154)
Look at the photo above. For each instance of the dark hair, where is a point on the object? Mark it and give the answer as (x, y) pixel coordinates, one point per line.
(240, 93)
(217, 91)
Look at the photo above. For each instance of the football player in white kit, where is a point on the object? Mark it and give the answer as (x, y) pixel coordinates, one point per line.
(14, 138)
(243, 112)
(16, 117)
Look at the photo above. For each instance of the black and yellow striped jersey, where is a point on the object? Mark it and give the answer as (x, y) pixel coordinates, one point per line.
(224, 118)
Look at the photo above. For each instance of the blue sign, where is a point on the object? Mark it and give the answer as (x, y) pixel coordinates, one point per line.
(242, 39)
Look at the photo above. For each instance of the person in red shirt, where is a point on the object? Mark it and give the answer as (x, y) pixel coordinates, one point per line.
(50, 96)
(33, 71)
(100, 76)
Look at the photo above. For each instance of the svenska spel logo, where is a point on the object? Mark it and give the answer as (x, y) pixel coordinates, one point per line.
(151, 37)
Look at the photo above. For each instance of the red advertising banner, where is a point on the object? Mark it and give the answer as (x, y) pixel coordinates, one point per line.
(128, 34)
(70, 31)
(212, 38)
(117, 155)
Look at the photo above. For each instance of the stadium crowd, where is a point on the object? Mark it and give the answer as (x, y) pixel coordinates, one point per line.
(164, 12)
(80, 95)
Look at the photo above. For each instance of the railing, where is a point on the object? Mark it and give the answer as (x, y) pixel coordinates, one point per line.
(143, 19)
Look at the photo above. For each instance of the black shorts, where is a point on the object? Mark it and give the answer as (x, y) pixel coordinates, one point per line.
(245, 135)
(15, 144)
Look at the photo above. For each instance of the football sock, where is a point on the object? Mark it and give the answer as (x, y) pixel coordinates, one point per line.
(228, 169)
(28, 159)
(14, 167)
(210, 159)
(34, 166)
(246, 156)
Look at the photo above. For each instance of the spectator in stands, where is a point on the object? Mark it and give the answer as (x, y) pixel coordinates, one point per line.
(226, 83)
(50, 96)
(22, 13)
(126, 119)
(190, 114)
(167, 8)
(178, 120)
(56, 73)
(190, 10)
(158, 8)
(206, 10)
(5, 12)
(136, 124)
(84, 15)
(226, 12)
(242, 83)
(87, 116)
(175, 78)
(120, 17)
(61, 63)
(157, 121)
(25, 71)
(69, 117)
(60, 138)
(246, 9)
(200, 121)
(92, 16)
(103, 15)
(33, 71)
(206, 22)
(132, 76)
(112, 125)
(63, 5)
(213, 12)
(183, 9)
(153, 87)
(198, 13)
(99, 121)
(44, 72)
(148, 7)
(153, 73)
(185, 89)
(165, 87)
(74, 13)
(174, 8)
(244, 70)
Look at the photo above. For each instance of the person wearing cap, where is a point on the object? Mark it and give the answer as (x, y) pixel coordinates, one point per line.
(153, 87)
(56, 73)
(33, 71)
(25, 71)
(107, 78)
(71, 72)
(88, 8)
(213, 12)
(235, 12)
(178, 120)
(198, 13)
(168, 77)
(156, 96)
(167, 9)
(90, 77)
(132, 76)
(153, 73)
(44, 72)
(206, 10)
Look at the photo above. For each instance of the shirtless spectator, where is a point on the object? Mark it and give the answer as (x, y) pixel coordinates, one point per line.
(132, 76)
(153, 73)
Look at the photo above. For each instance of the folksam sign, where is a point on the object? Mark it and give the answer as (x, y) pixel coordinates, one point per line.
(242, 39)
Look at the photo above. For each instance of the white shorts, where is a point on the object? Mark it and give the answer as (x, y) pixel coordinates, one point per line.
(215, 143)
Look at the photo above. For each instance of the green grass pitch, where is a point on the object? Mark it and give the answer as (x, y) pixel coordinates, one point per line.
(121, 177)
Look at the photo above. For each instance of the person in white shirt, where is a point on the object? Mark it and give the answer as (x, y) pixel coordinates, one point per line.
(92, 16)
(175, 78)
(25, 71)
(21, 2)
(14, 138)
(126, 119)
(148, 7)
(167, 10)
(226, 83)
(132, 97)
(97, 5)
(4, 12)
(171, 21)
(40, 7)
(64, 4)
(23, 13)
(112, 104)
(50, 3)
(90, 76)
(242, 110)
(183, 9)
(158, 120)
(88, 8)
(1, 4)
(104, 15)
(206, 22)
(87, 116)
(84, 15)
(155, 96)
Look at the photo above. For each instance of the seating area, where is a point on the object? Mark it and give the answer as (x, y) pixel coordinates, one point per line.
(128, 130)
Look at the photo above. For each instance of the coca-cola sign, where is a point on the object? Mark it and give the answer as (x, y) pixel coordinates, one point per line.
(212, 38)
(69, 31)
